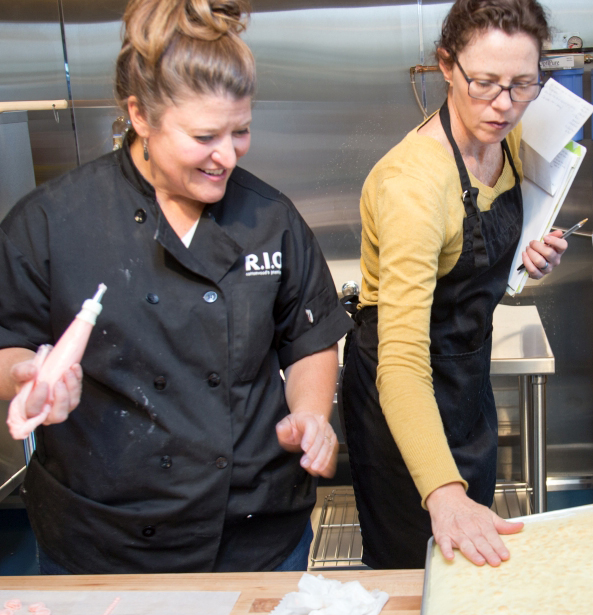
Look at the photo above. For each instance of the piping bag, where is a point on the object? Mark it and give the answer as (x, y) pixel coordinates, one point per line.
(52, 363)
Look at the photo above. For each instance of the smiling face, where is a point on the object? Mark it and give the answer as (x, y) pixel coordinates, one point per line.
(195, 147)
(495, 56)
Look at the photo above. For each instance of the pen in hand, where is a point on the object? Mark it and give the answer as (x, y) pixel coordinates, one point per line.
(566, 234)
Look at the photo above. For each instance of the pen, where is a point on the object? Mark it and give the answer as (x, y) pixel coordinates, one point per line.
(566, 234)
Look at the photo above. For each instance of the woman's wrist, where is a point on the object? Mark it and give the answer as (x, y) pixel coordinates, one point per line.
(445, 492)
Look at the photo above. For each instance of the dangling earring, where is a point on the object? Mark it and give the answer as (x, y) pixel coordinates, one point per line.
(146, 156)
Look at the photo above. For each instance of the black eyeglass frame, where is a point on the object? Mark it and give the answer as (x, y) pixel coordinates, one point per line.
(509, 88)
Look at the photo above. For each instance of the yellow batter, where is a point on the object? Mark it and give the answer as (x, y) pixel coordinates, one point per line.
(550, 572)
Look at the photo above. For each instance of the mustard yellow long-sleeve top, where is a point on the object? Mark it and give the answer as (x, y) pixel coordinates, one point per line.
(412, 235)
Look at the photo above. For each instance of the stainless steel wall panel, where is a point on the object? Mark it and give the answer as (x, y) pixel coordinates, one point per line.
(574, 16)
(93, 46)
(32, 65)
(16, 162)
(289, 5)
(319, 164)
(347, 54)
(93, 11)
(92, 51)
(32, 68)
(93, 126)
(333, 97)
(434, 87)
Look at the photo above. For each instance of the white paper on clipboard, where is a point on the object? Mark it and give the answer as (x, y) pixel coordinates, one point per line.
(540, 209)
(553, 119)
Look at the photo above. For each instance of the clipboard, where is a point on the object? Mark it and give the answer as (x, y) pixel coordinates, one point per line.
(540, 210)
(550, 162)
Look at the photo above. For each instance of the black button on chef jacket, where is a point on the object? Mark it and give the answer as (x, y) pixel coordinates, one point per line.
(170, 463)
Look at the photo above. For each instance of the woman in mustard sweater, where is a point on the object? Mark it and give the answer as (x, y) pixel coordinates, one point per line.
(442, 216)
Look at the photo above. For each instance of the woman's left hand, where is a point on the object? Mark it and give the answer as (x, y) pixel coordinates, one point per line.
(541, 257)
(312, 434)
(457, 521)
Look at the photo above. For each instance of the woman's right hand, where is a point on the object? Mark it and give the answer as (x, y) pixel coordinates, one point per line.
(30, 407)
(459, 522)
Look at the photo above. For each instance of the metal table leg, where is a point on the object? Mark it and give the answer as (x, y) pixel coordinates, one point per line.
(526, 430)
(538, 397)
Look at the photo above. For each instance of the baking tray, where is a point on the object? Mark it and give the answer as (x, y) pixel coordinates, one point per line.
(555, 514)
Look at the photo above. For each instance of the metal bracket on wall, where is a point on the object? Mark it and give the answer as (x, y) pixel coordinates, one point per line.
(419, 68)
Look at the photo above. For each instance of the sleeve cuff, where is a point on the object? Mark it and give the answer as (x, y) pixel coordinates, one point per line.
(329, 331)
(430, 485)
(10, 339)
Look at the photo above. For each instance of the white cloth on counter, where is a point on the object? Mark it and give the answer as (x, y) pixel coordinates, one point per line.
(319, 596)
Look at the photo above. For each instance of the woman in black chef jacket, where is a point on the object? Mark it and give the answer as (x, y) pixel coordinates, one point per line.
(187, 451)
(442, 216)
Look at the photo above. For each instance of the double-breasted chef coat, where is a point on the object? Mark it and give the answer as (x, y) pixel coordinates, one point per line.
(170, 463)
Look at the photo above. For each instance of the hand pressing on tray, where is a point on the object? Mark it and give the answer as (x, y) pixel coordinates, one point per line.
(459, 522)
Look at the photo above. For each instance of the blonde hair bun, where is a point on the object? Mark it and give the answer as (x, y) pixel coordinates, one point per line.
(173, 46)
(152, 24)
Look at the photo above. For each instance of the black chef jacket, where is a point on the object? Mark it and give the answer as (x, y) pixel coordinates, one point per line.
(170, 463)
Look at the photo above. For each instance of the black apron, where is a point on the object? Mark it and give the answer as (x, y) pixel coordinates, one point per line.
(395, 528)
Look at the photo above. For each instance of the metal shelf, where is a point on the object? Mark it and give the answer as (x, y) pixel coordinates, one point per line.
(513, 500)
(338, 542)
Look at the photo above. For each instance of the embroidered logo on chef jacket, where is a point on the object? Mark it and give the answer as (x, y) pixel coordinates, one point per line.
(265, 265)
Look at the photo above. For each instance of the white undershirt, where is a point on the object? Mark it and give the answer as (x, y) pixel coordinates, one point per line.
(190, 234)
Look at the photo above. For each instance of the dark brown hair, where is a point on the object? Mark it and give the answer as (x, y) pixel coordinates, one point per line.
(172, 47)
(467, 17)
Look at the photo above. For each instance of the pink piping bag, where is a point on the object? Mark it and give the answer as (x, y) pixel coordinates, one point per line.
(51, 365)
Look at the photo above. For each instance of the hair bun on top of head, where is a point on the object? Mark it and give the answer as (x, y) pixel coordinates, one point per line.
(152, 24)
(172, 47)
(218, 16)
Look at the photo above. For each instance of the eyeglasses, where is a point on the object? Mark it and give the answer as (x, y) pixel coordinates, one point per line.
(488, 90)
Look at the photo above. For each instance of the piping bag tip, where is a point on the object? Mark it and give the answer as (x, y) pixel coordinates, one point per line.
(100, 292)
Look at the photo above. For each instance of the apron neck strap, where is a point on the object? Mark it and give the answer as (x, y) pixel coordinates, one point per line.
(507, 151)
(470, 193)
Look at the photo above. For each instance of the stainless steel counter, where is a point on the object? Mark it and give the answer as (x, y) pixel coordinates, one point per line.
(519, 343)
(520, 348)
